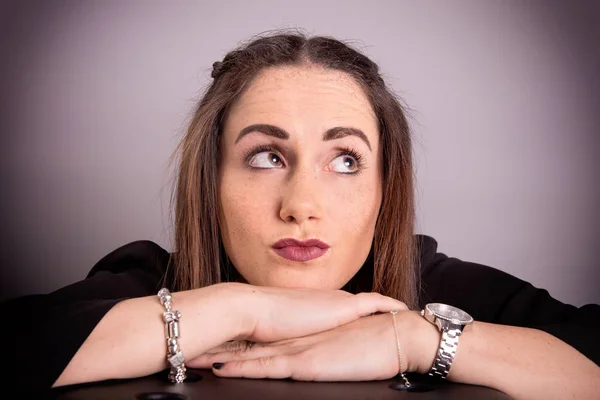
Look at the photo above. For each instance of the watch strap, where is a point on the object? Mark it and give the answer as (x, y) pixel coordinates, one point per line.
(446, 352)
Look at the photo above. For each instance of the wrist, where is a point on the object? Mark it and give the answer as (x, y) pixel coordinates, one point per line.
(235, 302)
(217, 311)
(421, 340)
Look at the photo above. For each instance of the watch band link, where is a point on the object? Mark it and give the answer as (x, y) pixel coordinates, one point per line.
(446, 352)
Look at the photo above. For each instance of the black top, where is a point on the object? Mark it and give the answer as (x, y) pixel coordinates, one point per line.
(41, 333)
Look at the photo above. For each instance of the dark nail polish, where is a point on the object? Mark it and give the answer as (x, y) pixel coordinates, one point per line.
(218, 365)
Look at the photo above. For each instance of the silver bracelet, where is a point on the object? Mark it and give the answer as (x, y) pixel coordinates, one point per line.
(174, 354)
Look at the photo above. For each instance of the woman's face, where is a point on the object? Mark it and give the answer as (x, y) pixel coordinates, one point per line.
(299, 179)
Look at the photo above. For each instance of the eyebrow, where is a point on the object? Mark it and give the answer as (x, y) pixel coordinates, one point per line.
(337, 132)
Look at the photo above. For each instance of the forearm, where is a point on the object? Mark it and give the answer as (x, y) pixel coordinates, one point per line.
(129, 341)
(524, 363)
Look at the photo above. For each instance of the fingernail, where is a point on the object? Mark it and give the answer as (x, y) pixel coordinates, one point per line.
(218, 365)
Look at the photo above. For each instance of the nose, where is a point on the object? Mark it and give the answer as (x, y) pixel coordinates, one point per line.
(301, 199)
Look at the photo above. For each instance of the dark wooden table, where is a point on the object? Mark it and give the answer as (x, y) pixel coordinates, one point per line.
(207, 386)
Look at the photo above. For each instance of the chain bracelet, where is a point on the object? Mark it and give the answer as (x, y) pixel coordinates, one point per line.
(402, 375)
(174, 354)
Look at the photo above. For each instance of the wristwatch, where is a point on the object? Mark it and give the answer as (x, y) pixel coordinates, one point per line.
(450, 321)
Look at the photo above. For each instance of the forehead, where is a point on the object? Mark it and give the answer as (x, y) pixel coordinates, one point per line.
(303, 97)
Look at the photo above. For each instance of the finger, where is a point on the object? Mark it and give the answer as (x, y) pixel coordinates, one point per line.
(232, 345)
(233, 350)
(369, 303)
(269, 367)
(208, 359)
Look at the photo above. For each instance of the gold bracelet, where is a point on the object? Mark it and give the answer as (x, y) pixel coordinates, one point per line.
(406, 382)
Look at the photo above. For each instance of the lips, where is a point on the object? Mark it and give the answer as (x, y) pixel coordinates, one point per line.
(300, 251)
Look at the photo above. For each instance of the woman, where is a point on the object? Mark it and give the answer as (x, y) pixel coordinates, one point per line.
(295, 181)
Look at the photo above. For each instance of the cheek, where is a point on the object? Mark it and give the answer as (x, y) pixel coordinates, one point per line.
(353, 214)
(354, 206)
(245, 206)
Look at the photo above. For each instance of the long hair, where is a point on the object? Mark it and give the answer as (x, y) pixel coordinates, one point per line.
(198, 257)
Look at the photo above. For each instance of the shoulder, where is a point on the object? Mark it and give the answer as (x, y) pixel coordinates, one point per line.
(140, 254)
(481, 290)
(435, 265)
(426, 248)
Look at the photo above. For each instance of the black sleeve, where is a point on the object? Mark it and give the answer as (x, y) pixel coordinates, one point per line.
(491, 295)
(43, 332)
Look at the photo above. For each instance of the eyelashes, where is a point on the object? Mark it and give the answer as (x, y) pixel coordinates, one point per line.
(347, 151)
(352, 157)
(257, 150)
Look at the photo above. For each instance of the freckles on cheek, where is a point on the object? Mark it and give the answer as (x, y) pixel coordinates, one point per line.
(355, 209)
(245, 208)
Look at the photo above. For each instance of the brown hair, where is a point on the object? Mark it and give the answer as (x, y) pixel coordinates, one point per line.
(198, 258)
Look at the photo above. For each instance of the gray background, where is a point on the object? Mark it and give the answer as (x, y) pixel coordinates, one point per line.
(504, 99)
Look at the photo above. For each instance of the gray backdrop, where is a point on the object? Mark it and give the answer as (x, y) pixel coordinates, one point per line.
(504, 99)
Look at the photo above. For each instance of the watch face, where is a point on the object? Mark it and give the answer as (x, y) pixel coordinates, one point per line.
(450, 313)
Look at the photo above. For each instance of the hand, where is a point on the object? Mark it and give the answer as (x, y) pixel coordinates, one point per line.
(290, 313)
(364, 349)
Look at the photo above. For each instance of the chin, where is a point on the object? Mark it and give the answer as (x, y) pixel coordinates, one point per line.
(305, 282)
